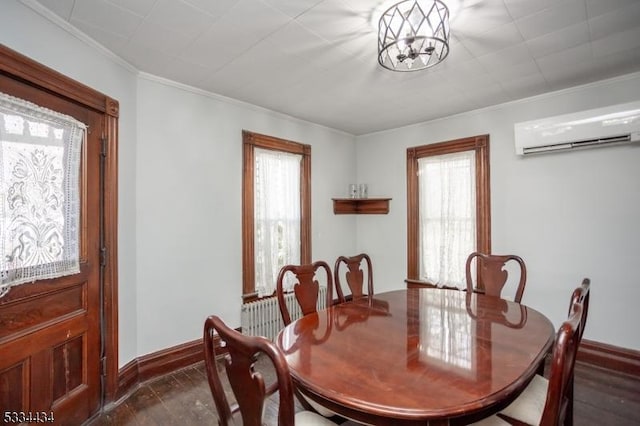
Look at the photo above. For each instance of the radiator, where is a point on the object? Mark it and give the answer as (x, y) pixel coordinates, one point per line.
(262, 317)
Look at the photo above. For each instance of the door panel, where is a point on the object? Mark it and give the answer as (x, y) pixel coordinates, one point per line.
(50, 329)
(15, 377)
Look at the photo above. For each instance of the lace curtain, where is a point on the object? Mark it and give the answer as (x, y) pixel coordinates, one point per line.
(447, 209)
(277, 217)
(39, 186)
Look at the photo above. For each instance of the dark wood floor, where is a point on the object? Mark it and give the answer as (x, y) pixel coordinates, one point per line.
(602, 398)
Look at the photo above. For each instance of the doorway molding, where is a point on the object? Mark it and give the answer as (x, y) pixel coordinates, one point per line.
(20, 67)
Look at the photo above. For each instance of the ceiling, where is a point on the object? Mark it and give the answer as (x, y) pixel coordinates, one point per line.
(317, 59)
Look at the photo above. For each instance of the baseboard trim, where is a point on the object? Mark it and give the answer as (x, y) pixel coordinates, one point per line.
(622, 360)
(159, 363)
(127, 379)
(167, 360)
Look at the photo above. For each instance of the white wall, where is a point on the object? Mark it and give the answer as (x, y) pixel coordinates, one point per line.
(569, 215)
(27, 32)
(189, 186)
(180, 186)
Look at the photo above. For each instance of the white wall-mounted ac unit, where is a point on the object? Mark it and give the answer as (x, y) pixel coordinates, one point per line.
(610, 125)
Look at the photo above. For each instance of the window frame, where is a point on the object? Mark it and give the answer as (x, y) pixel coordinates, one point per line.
(479, 144)
(250, 141)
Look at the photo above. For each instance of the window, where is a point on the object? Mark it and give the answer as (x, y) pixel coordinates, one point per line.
(276, 210)
(448, 209)
(39, 182)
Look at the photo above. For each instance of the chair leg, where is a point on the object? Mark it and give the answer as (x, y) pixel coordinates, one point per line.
(568, 418)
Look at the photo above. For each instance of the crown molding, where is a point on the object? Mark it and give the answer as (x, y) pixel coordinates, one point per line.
(75, 32)
(235, 102)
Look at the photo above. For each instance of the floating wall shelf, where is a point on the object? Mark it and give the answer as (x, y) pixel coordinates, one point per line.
(361, 205)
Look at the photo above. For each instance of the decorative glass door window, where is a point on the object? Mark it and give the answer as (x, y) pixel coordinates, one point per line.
(39, 185)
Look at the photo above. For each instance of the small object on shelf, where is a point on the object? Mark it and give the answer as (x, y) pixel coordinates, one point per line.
(353, 190)
(363, 191)
(361, 205)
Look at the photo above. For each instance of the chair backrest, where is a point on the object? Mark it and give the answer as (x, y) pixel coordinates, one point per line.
(247, 384)
(491, 275)
(354, 275)
(306, 290)
(581, 295)
(563, 361)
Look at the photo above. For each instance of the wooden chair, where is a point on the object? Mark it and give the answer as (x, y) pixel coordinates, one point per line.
(549, 402)
(492, 276)
(354, 275)
(306, 290)
(247, 384)
(581, 296)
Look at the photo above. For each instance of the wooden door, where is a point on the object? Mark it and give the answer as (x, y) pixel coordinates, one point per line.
(50, 341)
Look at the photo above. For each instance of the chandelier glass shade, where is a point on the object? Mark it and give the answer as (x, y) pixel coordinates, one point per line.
(413, 35)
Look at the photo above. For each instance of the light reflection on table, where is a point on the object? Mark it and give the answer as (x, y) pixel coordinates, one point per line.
(446, 332)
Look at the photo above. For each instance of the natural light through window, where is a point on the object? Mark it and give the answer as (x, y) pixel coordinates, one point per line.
(39, 169)
(276, 211)
(277, 215)
(447, 216)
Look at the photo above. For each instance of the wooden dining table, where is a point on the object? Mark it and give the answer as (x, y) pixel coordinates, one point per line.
(417, 356)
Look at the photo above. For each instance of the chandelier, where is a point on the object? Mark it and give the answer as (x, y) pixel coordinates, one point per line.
(413, 35)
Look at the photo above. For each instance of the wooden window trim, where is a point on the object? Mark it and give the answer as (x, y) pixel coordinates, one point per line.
(479, 144)
(250, 141)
